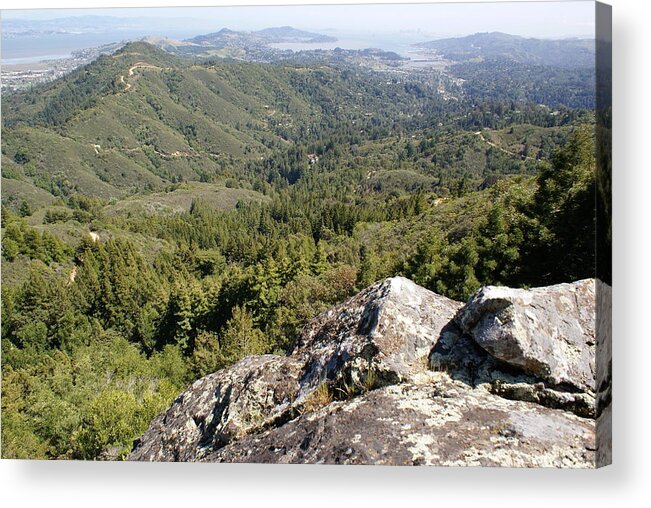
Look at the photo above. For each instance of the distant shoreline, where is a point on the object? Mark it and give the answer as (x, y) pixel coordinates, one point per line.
(21, 50)
(11, 63)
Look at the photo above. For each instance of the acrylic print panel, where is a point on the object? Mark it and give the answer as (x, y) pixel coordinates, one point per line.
(283, 235)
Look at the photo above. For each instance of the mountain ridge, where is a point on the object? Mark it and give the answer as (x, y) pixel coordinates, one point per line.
(530, 50)
(266, 35)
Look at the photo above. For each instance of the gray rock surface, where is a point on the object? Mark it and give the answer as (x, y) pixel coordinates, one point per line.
(604, 376)
(389, 328)
(437, 423)
(220, 407)
(451, 385)
(548, 332)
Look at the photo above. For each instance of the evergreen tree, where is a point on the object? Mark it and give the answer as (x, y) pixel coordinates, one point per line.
(25, 210)
(240, 338)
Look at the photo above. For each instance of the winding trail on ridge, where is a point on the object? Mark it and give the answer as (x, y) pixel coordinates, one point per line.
(127, 85)
(138, 65)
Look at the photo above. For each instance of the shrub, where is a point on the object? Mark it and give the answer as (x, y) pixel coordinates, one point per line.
(319, 398)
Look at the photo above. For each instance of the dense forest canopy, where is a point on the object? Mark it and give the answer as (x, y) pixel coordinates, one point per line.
(163, 218)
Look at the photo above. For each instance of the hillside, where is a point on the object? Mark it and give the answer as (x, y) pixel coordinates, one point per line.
(504, 67)
(181, 197)
(142, 118)
(568, 53)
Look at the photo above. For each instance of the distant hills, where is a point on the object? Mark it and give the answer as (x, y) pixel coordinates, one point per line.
(266, 36)
(479, 47)
(142, 118)
(100, 24)
(136, 120)
(497, 45)
(243, 45)
(500, 66)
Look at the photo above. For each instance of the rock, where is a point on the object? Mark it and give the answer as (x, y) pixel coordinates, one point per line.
(604, 363)
(220, 407)
(442, 424)
(548, 332)
(388, 329)
(399, 375)
(581, 404)
(459, 356)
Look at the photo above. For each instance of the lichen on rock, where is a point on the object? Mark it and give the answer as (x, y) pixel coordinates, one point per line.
(548, 332)
(404, 376)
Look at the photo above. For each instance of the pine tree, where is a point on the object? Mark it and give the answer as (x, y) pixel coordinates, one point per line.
(240, 338)
(207, 356)
(25, 210)
(320, 259)
(180, 308)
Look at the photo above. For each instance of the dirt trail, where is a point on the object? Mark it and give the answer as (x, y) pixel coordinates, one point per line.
(127, 85)
(512, 154)
(137, 65)
(72, 276)
(165, 155)
(142, 65)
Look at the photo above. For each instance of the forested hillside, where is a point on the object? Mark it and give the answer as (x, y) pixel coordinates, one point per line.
(567, 53)
(164, 218)
(502, 67)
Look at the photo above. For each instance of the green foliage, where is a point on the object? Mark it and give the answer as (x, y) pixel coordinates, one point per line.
(89, 403)
(22, 155)
(504, 80)
(25, 210)
(109, 422)
(537, 234)
(21, 239)
(52, 216)
(207, 356)
(565, 206)
(240, 338)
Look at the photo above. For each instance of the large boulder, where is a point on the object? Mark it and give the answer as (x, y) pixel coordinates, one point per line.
(548, 332)
(388, 329)
(400, 375)
(384, 333)
(220, 407)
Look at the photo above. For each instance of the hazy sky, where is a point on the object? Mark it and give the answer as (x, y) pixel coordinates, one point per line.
(534, 19)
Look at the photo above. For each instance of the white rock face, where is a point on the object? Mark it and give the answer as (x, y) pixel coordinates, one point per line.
(411, 378)
(548, 332)
(388, 328)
